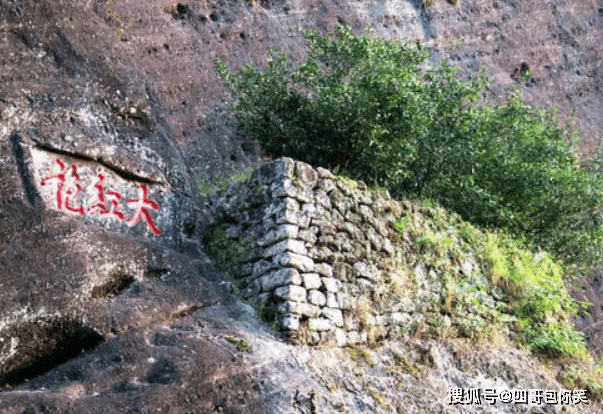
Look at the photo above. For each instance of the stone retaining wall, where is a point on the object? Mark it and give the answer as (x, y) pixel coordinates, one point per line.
(323, 249)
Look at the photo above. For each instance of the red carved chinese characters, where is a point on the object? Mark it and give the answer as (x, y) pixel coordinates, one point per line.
(141, 206)
(68, 189)
(98, 203)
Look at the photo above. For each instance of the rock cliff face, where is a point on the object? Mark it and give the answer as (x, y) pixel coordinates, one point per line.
(110, 112)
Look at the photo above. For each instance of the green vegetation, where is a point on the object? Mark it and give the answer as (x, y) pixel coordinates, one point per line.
(361, 353)
(510, 280)
(373, 110)
(370, 109)
(509, 289)
(241, 343)
(221, 184)
(265, 313)
(227, 254)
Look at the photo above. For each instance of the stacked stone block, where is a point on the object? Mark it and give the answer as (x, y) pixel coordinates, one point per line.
(322, 245)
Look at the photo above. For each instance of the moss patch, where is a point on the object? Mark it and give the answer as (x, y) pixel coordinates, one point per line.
(227, 253)
(241, 343)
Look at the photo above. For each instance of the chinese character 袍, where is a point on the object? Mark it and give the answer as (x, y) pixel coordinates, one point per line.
(67, 189)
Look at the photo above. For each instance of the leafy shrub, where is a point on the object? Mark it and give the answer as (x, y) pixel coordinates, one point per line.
(371, 108)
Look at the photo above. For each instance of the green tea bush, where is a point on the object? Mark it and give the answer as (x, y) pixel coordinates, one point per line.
(374, 109)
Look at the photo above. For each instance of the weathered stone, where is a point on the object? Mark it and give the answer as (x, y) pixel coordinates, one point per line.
(343, 205)
(366, 212)
(299, 308)
(322, 199)
(233, 232)
(292, 293)
(309, 209)
(324, 269)
(264, 297)
(341, 337)
(331, 284)
(354, 338)
(252, 290)
(254, 255)
(337, 219)
(268, 223)
(306, 174)
(374, 238)
(420, 272)
(467, 267)
(287, 245)
(346, 185)
(316, 298)
(285, 231)
(343, 243)
(311, 280)
(287, 189)
(292, 217)
(365, 198)
(365, 285)
(280, 204)
(302, 263)
(283, 167)
(387, 246)
(342, 271)
(322, 253)
(349, 322)
(262, 267)
(330, 241)
(334, 315)
(332, 300)
(325, 227)
(290, 323)
(281, 277)
(79, 79)
(362, 269)
(345, 301)
(246, 269)
(353, 231)
(399, 318)
(324, 173)
(307, 236)
(353, 218)
(320, 325)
